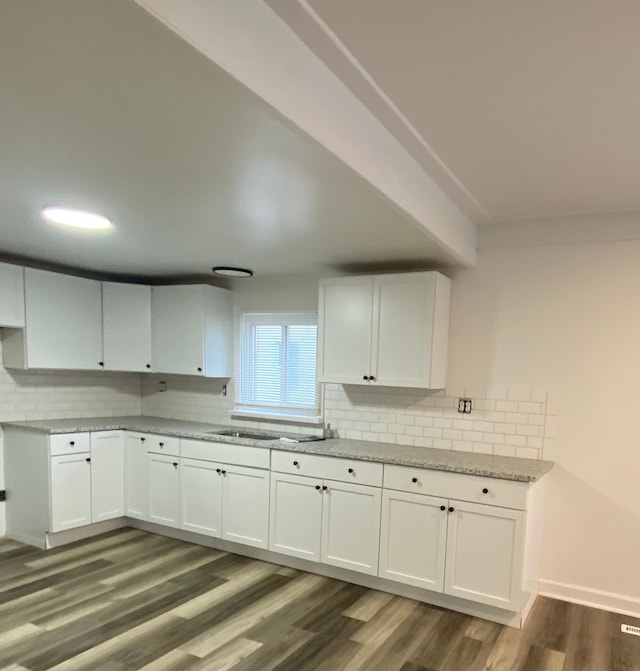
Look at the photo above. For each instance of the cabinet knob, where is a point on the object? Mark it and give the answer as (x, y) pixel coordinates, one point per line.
(414, 480)
(218, 470)
(485, 491)
(451, 509)
(372, 378)
(318, 487)
(324, 488)
(161, 444)
(148, 365)
(295, 463)
(199, 369)
(365, 377)
(351, 470)
(175, 464)
(224, 472)
(100, 363)
(443, 508)
(88, 460)
(142, 440)
(72, 443)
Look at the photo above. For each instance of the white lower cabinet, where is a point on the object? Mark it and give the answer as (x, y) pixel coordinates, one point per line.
(201, 496)
(351, 526)
(323, 520)
(136, 476)
(296, 515)
(468, 550)
(245, 506)
(484, 554)
(107, 475)
(164, 489)
(70, 491)
(223, 501)
(413, 539)
(87, 486)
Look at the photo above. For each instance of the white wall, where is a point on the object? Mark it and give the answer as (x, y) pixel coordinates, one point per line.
(567, 318)
(46, 394)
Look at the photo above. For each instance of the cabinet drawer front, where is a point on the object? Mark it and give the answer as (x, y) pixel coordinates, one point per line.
(474, 488)
(225, 453)
(162, 444)
(68, 443)
(331, 468)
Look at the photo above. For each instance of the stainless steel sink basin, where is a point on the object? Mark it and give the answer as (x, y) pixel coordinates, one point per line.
(253, 435)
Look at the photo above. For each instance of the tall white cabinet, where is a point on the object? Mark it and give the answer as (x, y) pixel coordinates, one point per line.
(192, 329)
(63, 324)
(389, 330)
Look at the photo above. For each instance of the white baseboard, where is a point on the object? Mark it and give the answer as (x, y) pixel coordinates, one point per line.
(587, 596)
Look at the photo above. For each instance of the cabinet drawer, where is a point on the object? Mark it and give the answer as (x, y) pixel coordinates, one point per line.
(478, 489)
(68, 443)
(225, 453)
(162, 444)
(331, 468)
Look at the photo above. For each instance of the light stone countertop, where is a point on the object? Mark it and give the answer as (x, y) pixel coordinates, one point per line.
(471, 463)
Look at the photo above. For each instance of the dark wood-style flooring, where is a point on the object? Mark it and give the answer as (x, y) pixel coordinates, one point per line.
(133, 600)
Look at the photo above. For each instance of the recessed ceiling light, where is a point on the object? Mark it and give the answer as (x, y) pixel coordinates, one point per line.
(76, 218)
(229, 271)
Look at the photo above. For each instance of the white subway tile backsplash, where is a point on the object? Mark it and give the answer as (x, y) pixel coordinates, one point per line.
(530, 408)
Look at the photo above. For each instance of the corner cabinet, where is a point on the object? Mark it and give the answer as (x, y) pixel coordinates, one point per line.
(192, 330)
(63, 324)
(388, 330)
(126, 326)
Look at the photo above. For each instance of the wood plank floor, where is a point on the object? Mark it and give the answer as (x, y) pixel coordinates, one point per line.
(133, 600)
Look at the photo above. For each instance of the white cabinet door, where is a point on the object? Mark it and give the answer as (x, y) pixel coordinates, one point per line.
(164, 489)
(351, 526)
(245, 506)
(126, 324)
(107, 475)
(296, 516)
(413, 539)
(484, 554)
(201, 496)
(63, 321)
(178, 329)
(11, 295)
(136, 476)
(344, 328)
(70, 491)
(403, 327)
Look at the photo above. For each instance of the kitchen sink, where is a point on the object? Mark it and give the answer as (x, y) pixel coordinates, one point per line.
(253, 435)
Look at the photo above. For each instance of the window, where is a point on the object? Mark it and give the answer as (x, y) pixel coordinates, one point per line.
(277, 365)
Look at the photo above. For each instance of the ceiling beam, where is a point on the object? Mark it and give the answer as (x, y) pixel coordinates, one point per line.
(248, 40)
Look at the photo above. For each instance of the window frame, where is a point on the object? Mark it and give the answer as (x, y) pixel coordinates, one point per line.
(247, 410)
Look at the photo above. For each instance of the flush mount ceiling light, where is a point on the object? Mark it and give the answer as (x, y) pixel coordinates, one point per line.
(229, 271)
(76, 218)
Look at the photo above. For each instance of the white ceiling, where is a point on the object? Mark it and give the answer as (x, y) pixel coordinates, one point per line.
(104, 108)
(520, 109)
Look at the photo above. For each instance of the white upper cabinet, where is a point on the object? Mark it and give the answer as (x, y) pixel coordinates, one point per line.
(389, 330)
(126, 326)
(11, 295)
(63, 326)
(192, 330)
(345, 317)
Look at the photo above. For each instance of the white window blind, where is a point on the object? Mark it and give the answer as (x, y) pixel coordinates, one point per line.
(277, 363)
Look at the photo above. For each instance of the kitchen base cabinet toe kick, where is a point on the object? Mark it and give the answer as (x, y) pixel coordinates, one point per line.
(463, 542)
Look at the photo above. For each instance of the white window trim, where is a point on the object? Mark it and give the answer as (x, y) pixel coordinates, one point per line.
(244, 411)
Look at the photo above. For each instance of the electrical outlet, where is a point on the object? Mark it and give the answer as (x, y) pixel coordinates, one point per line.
(464, 406)
(224, 390)
(162, 385)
